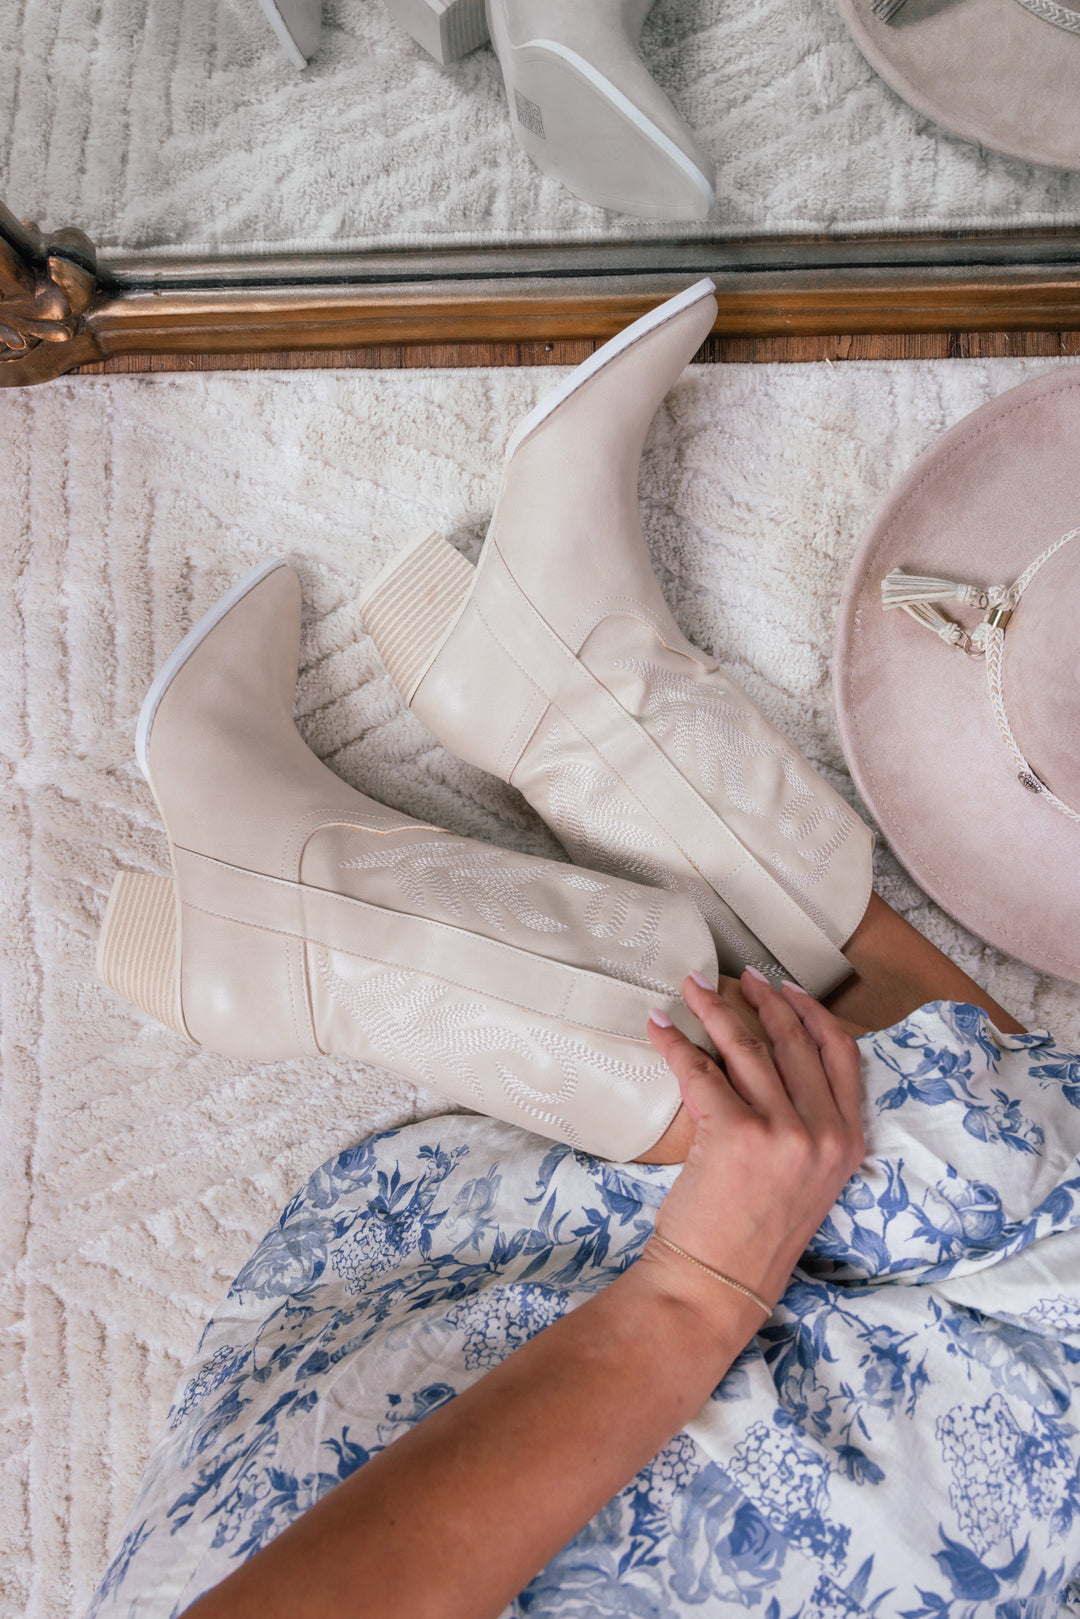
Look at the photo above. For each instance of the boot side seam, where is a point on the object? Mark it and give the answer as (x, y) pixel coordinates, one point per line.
(300, 1010)
(527, 726)
(552, 702)
(531, 716)
(303, 1008)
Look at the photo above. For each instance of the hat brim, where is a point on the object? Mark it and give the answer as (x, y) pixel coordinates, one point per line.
(989, 70)
(915, 719)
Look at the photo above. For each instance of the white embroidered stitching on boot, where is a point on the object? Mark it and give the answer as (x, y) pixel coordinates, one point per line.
(411, 1018)
(491, 883)
(430, 873)
(706, 735)
(588, 809)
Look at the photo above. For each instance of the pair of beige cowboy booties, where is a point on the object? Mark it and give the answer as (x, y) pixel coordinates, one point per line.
(302, 918)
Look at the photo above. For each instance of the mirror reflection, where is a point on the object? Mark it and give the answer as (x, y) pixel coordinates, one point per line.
(306, 125)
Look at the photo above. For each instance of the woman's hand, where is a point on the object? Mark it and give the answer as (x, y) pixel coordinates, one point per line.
(777, 1134)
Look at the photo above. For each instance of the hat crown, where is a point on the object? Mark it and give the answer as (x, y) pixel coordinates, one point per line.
(1041, 674)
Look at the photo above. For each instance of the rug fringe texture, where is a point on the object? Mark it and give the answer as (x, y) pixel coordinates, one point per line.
(137, 1173)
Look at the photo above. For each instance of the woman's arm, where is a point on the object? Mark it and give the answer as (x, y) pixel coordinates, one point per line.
(458, 1515)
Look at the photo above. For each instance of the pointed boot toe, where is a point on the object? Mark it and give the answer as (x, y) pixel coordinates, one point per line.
(302, 918)
(556, 665)
(585, 108)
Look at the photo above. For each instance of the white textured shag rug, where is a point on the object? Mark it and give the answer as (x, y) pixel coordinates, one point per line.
(136, 1173)
(185, 127)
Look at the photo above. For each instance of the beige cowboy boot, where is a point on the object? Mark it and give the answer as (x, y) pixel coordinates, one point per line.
(583, 105)
(556, 665)
(302, 918)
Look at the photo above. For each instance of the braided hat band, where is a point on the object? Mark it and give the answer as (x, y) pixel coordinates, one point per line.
(1062, 16)
(916, 595)
(1052, 11)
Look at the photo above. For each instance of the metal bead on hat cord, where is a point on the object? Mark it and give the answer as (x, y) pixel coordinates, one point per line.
(716, 1274)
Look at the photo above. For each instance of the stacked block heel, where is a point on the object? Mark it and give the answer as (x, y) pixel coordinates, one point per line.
(138, 953)
(409, 607)
(447, 29)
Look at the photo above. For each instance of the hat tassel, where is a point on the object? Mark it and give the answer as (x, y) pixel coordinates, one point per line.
(908, 590)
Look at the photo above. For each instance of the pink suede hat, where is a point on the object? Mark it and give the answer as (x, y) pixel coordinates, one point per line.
(959, 698)
(1004, 73)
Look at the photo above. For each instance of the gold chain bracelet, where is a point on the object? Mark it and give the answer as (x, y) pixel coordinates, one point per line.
(718, 1275)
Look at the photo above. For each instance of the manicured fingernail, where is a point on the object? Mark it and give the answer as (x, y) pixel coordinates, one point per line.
(796, 987)
(755, 974)
(661, 1019)
(702, 982)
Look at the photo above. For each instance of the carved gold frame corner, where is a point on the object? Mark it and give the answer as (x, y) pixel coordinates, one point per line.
(48, 290)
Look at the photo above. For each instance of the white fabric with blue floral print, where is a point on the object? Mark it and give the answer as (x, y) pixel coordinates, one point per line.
(901, 1439)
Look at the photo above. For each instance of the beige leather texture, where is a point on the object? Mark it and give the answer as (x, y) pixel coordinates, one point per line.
(314, 920)
(564, 673)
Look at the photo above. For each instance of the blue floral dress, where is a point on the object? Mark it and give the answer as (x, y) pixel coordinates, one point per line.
(900, 1439)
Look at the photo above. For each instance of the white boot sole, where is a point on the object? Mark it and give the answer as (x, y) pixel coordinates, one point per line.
(580, 128)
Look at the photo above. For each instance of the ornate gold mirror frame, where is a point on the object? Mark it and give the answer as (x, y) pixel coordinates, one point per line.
(61, 306)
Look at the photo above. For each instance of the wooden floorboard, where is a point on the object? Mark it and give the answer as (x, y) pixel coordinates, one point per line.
(718, 350)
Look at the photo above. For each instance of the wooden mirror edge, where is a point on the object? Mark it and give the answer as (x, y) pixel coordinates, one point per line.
(62, 308)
